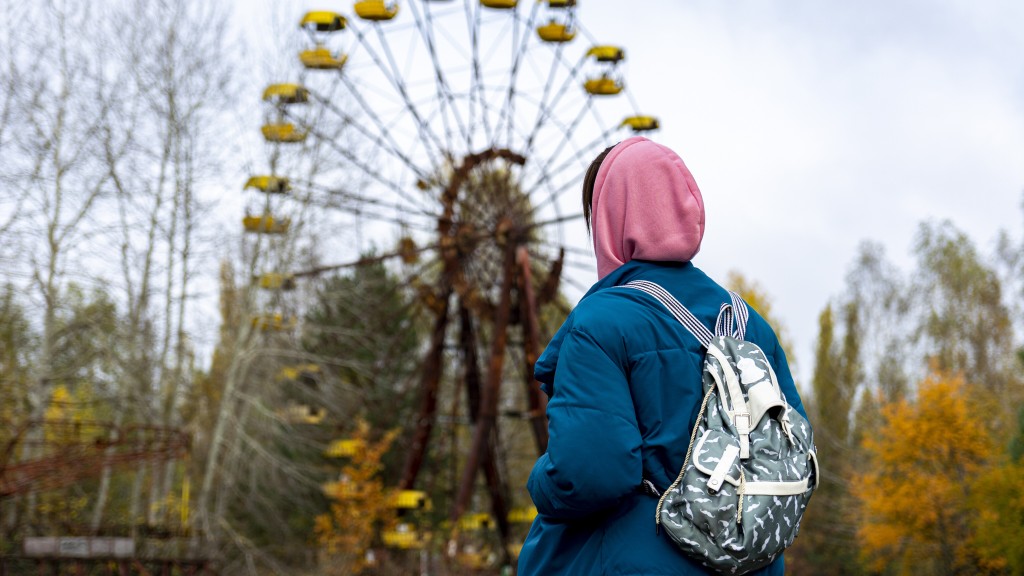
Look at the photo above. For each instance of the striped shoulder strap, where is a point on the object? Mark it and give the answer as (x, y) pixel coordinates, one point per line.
(732, 316)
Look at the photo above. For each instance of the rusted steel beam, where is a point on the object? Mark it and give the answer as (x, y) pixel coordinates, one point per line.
(429, 383)
(498, 491)
(470, 361)
(537, 401)
(550, 288)
(492, 388)
(84, 448)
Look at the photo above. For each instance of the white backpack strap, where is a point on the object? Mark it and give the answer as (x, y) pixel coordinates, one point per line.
(737, 409)
(742, 314)
(732, 318)
(732, 321)
(684, 316)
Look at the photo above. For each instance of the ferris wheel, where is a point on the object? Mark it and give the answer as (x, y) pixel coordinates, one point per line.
(465, 128)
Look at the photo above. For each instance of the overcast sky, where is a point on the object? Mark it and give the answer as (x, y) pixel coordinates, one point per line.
(813, 126)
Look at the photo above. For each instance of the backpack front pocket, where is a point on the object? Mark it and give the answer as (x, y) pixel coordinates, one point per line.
(704, 504)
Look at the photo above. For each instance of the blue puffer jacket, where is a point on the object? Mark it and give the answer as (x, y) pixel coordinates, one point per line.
(624, 381)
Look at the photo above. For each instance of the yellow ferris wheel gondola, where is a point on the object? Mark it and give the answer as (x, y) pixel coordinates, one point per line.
(604, 85)
(476, 521)
(319, 23)
(320, 58)
(268, 184)
(556, 32)
(343, 489)
(500, 4)
(284, 133)
(408, 500)
(404, 536)
(277, 322)
(297, 371)
(345, 448)
(376, 10)
(266, 224)
(302, 414)
(285, 94)
(277, 281)
(641, 123)
(323, 21)
(607, 53)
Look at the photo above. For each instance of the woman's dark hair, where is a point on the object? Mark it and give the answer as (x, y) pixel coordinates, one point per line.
(588, 184)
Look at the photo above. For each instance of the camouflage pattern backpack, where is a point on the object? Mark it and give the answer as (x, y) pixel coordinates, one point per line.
(750, 467)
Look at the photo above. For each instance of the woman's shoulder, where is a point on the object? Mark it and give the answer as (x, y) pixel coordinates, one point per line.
(620, 316)
(611, 309)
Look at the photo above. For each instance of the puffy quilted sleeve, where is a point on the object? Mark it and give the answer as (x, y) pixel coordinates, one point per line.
(785, 377)
(593, 458)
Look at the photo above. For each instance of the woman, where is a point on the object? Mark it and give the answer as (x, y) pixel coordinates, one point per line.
(624, 377)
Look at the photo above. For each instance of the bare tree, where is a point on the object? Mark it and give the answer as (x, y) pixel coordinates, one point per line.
(55, 100)
(161, 150)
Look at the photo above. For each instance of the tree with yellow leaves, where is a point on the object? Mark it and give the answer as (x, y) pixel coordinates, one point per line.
(360, 506)
(914, 496)
(757, 298)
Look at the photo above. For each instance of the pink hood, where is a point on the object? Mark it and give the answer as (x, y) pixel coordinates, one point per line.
(646, 206)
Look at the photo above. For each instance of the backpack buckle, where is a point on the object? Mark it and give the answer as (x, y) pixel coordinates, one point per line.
(742, 422)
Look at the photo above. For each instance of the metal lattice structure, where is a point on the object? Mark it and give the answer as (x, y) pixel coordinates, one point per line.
(464, 129)
(67, 451)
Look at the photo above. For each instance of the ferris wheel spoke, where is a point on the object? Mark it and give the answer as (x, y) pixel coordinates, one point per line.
(558, 264)
(477, 90)
(386, 218)
(633, 102)
(430, 380)
(581, 158)
(546, 110)
(543, 173)
(390, 72)
(554, 194)
(444, 93)
(556, 221)
(378, 137)
(590, 37)
(368, 170)
(380, 218)
(398, 79)
(348, 196)
(542, 109)
(362, 261)
(566, 138)
(582, 153)
(520, 45)
(568, 279)
(574, 250)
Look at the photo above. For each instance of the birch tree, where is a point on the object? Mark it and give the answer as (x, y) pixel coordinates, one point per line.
(174, 95)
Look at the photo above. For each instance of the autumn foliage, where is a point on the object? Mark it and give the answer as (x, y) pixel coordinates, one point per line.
(359, 508)
(915, 495)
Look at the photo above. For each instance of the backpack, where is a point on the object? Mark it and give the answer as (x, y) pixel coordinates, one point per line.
(750, 467)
